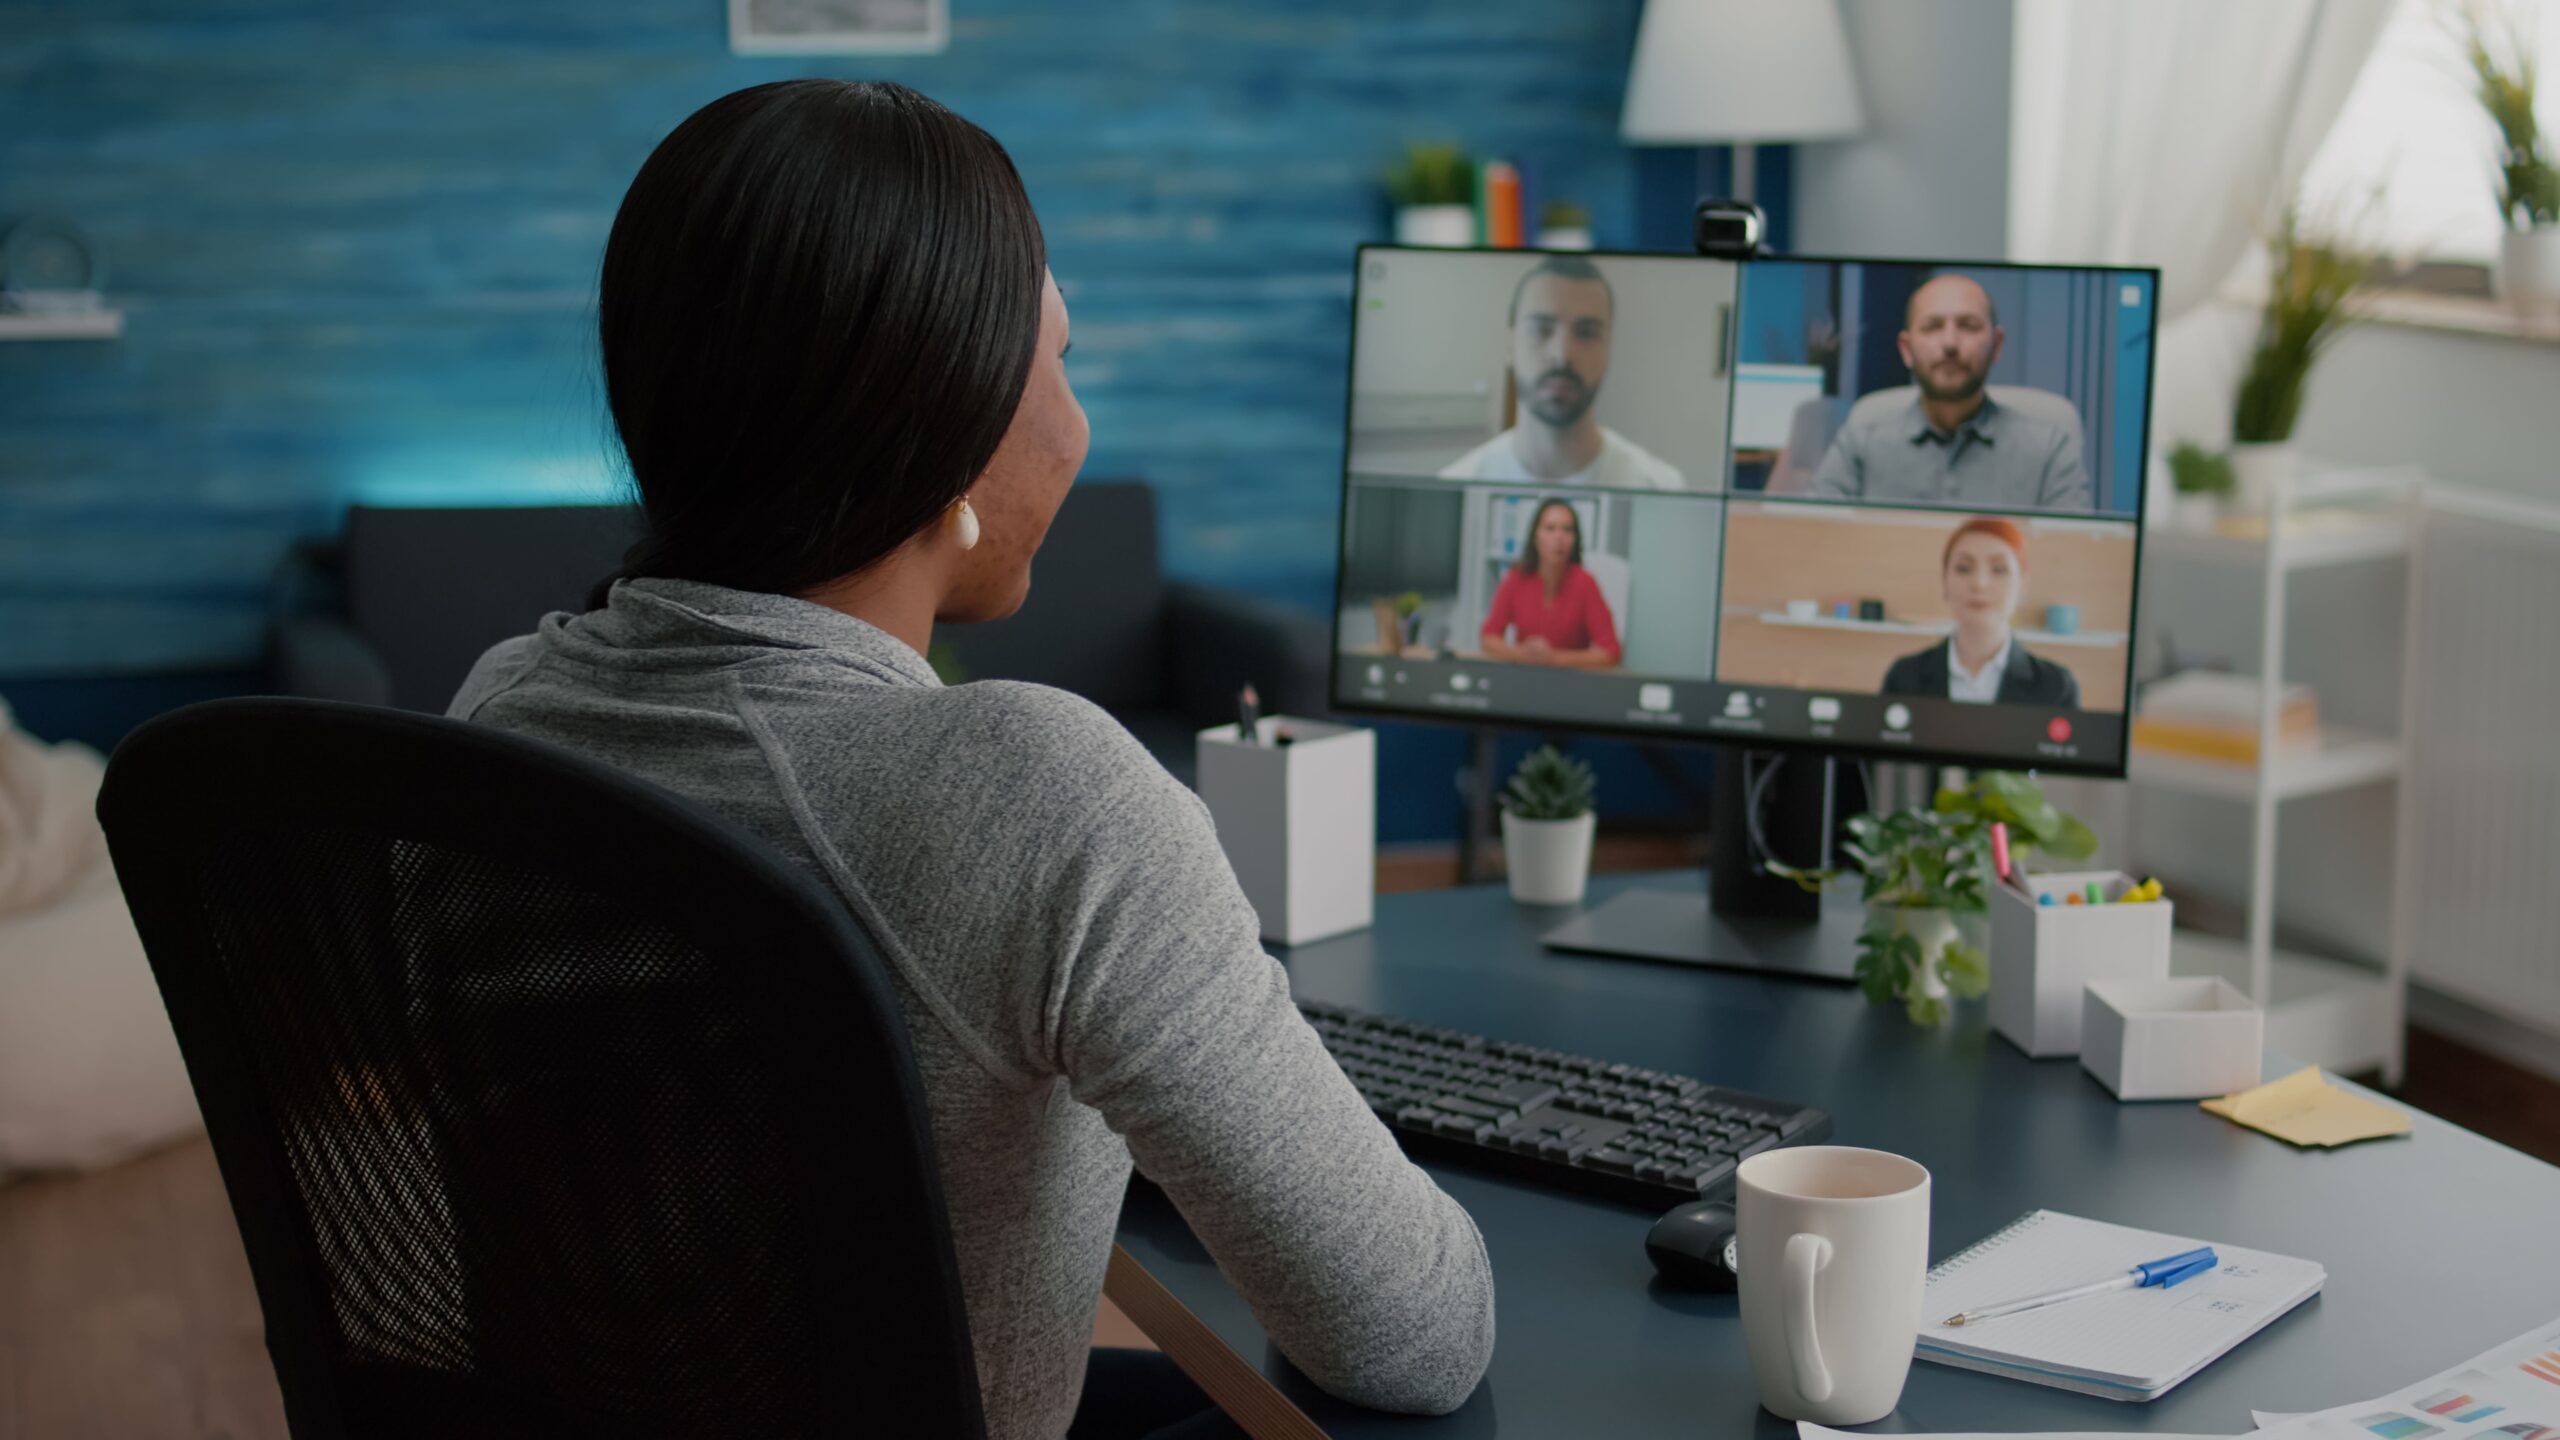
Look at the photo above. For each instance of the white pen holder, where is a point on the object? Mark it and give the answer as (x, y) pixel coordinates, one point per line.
(1299, 823)
(2044, 956)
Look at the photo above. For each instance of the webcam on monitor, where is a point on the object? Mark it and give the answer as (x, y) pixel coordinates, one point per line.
(1730, 229)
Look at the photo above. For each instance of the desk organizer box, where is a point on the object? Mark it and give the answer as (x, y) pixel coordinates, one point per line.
(2043, 956)
(1298, 823)
(2170, 1039)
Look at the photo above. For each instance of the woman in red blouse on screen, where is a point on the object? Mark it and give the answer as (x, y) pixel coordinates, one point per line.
(1549, 611)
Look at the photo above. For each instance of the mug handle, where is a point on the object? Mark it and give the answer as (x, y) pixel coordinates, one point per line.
(1805, 1256)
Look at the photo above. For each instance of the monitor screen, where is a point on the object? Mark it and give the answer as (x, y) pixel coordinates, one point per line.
(1885, 507)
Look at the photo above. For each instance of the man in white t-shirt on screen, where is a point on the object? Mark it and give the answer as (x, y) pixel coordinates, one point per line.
(1562, 314)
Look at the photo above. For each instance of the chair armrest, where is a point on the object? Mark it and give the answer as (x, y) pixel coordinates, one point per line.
(1222, 639)
(318, 657)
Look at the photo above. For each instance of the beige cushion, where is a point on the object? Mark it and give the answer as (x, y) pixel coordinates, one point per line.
(89, 1071)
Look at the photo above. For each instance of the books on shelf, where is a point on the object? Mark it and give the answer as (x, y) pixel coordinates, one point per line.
(2206, 715)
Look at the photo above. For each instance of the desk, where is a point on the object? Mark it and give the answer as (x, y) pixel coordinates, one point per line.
(2438, 1246)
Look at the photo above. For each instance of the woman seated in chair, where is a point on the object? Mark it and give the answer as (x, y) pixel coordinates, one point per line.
(1548, 610)
(836, 363)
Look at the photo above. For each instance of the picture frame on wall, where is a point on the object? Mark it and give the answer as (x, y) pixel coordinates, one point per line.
(839, 27)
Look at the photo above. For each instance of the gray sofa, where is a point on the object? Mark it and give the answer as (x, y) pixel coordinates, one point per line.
(395, 611)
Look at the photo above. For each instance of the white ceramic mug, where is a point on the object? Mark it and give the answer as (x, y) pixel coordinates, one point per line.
(1834, 1252)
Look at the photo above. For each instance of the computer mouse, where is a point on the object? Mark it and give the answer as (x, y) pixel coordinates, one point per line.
(1692, 1246)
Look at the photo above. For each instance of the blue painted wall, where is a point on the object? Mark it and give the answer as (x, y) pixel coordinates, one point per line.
(356, 244)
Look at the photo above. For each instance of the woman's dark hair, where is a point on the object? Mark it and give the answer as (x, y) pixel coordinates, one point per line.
(1527, 564)
(819, 305)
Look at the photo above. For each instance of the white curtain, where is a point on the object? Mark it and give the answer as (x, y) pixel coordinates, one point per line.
(2170, 132)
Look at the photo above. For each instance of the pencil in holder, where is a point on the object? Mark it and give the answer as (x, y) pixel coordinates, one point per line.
(2044, 955)
(1298, 821)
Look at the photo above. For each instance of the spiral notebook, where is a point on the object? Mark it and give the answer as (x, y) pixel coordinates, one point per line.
(2126, 1345)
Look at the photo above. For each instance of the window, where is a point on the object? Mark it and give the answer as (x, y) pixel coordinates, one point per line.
(2411, 126)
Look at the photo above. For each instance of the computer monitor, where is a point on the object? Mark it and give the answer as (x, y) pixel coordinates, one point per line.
(1887, 508)
(1883, 507)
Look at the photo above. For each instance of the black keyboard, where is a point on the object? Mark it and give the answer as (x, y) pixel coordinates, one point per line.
(1569, 1121)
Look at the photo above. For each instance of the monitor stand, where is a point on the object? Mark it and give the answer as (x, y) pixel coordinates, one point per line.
(1745, 918)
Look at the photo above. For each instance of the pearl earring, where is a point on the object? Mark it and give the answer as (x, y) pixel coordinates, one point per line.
(968, 529)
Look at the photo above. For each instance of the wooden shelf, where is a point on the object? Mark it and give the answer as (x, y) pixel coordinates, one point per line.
(2346, 758)
(2094, 638)
(77, 325)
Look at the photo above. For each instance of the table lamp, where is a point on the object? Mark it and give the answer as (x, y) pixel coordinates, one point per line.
(1738, 72)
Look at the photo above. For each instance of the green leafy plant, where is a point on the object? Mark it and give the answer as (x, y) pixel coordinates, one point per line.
(2505, 77)
(1408, 603)
(946, 663)
(1549, 785)
(1564, 215)
(2198, 471)
(1431, 174)
(1937, 862)
(2309, 280)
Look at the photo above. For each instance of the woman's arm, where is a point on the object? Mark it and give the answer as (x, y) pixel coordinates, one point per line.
(1604, 651)
(1168, 1017)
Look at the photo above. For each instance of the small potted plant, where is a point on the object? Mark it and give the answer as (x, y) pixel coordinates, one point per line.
(1564, 225)
(2203, 481)
(1547, 825)
(2505, 78)
(2309, 281)
(1926, 872)
(1434, 190)
(1399, 620)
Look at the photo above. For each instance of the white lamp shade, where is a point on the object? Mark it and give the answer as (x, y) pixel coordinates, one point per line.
(1735, 72)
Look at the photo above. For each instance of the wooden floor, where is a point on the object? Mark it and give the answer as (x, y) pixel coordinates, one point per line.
(126, 1310)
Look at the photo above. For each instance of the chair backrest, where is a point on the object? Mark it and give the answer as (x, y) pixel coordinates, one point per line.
(1094, 622)
(548, 1103)
(430, 589)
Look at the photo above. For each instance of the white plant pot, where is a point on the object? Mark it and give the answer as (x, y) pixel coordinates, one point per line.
(2262, 471)
(1549, 860)
(1442, 225)
(2528, 275)
(1571, 237)
(2195, 512)
(1934, 929)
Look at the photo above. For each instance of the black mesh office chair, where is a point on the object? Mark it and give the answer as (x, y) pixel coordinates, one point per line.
(548, 1103)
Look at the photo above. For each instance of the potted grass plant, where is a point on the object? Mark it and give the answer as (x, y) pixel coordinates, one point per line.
(2505, 78)
(1547, 826)
(2203, 481)
(1434, 190)
(1564, 225)
(2310, 279)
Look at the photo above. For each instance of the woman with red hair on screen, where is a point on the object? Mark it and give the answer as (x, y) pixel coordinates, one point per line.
(1983, 572)
(1548, 610)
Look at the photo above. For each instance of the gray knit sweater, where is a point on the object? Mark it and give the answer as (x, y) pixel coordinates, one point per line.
(1081, 975)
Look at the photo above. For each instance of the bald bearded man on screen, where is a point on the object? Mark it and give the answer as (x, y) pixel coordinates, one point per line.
(1563, 316)
(1954, 444)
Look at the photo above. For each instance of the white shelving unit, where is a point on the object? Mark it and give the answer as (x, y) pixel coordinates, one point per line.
(2335, 1012)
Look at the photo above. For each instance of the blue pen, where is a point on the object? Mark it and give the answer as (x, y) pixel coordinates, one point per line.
(2163, 1273)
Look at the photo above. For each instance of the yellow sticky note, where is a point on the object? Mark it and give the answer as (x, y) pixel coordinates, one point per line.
(2305, 1109)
